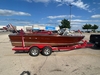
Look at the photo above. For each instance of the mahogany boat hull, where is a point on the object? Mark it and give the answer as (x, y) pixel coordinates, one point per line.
(53, 40)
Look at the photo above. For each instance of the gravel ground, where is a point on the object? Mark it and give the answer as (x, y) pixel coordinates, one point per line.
(84, 61)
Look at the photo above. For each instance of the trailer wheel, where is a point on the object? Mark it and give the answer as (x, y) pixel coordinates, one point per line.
(34, 51)
(46, 51)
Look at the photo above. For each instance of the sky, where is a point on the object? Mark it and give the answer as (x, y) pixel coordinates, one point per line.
(50, 12)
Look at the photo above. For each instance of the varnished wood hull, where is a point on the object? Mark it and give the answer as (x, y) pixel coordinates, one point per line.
(53, 40)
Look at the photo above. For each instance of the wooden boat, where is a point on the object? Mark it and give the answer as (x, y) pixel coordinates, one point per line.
(41, 38)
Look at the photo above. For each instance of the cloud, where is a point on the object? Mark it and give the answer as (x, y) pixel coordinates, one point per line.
(64, 1)
(15, 20)
(85, 21)
(95, 16)
(81, 22)
(54, 17)
(45, 1)
(23, 22)
(57, 0)
(76, 21)
(4, 12)
(62, 16)
(94, 2)
(30, 1)
(77, 3)
(59, 5)
(42, 1)
(80, 4)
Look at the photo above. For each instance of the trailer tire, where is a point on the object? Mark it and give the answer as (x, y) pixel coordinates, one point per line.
(46, 51)
(34, 51)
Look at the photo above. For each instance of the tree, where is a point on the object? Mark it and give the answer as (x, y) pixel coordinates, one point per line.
(94, 27)
(87, 26)
(65, 24)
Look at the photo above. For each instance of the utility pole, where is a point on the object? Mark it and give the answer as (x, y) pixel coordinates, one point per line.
(70, 12)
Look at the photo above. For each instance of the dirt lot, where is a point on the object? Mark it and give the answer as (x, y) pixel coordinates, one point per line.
(76, 62)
